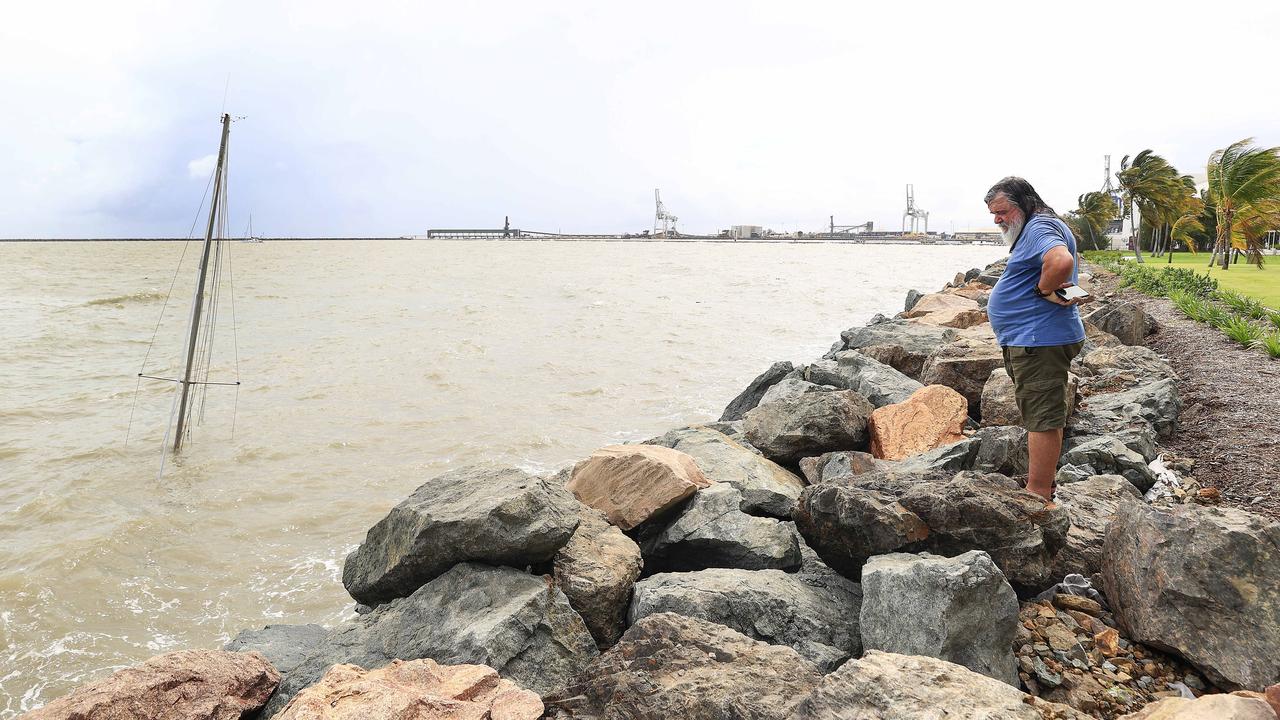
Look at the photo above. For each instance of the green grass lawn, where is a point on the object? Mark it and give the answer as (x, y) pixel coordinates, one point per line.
(1262, 285)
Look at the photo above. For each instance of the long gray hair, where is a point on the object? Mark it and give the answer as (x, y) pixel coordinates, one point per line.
(1020, 193)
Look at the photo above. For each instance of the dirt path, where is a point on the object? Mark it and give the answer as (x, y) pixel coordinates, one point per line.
(1230, 423)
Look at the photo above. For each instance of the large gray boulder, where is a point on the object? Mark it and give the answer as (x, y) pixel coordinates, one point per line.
(1125, 319)
(819, 620)
(1107, 455)
(810, 424)
(793, 386)
(518, 624)
(712, 531)
(852, 370)
(959, 609)
(501, 516)
(1200, 581)
(842, 463)
(285, 646)
(957, 456)
(900, 344)
(1156, 404)
(750, 397)
(964, 366)
(991, 512)
(672, 666)
(1090, 504)
(1141, 364)
(846, 521)
(888, 686)
(767, 488)
(596, 570)
(1001, 449)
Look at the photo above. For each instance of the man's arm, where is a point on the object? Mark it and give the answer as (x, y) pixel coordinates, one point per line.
(1055, 268)
(1055, 273)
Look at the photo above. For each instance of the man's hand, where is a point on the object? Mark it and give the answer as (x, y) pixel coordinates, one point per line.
(1054, 298)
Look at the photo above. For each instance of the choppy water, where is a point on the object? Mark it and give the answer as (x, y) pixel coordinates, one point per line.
(367, 368)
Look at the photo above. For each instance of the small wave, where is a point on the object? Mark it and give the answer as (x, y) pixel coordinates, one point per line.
(140, 296)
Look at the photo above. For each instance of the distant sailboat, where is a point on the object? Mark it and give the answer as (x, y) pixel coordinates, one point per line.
(215, 259)
(249, 237)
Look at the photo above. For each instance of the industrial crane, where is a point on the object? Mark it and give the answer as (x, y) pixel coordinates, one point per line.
(663, 221)
(914, 213)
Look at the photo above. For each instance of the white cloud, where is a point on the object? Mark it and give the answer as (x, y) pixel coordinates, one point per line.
(399, 117)
(201, 168)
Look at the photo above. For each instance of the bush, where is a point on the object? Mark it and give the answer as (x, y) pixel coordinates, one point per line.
(1242, 331)
(1190, 305)
(1269, 344)
(1244, 305)
(1165, 280)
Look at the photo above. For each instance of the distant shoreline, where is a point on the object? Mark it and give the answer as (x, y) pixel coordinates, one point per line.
(688, 240)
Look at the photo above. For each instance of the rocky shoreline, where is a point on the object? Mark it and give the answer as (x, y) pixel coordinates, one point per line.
(850, 539)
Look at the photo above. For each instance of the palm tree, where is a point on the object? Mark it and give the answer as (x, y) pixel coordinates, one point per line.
(1182, 216)
(1150, 183)
(1090, 219)
(1244, 185)
(1157, 191)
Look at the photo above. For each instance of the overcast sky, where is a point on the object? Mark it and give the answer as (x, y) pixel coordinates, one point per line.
(390, 118)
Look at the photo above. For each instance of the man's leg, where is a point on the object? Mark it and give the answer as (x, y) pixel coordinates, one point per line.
(1043, 448)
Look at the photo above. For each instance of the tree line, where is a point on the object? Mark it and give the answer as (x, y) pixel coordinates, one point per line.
(1230, 216)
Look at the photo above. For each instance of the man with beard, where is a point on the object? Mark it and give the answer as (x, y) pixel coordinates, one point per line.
(1039, 331)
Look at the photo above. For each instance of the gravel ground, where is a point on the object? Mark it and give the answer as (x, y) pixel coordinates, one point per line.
(1230, 423)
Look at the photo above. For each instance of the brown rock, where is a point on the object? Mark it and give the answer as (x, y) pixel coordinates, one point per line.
(947, 310)
(1083, 620)
(1273, 698)
(932, 417)
(1207, 707)
(182, 685)
(1078, 690)
(413, 690)
(1078, 603)
(597, 570)
(632, 483)
(964, 366)
(1060, 638)
(972, 290)
(1108, 641)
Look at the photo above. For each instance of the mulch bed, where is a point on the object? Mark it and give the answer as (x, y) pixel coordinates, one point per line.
(1230, 424)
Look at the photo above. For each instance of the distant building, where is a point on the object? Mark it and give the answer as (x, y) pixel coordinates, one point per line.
(745, 232)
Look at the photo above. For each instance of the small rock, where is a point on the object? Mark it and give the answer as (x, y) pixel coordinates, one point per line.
(1106, 641)
(1078, 603)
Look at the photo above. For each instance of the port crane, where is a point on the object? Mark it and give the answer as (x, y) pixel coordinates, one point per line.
(664, 223)
(914, 213)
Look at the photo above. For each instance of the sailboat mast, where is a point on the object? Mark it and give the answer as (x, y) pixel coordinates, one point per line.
(198, 301)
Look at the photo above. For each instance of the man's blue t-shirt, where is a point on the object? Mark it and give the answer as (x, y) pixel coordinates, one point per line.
(1018, 317)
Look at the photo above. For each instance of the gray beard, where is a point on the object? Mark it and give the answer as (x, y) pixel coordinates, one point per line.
(1010, 236)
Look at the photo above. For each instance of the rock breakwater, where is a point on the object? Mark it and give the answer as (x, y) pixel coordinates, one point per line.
(852, 538)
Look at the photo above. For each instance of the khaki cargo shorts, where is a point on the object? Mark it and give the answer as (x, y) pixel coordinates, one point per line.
(1039, 377)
